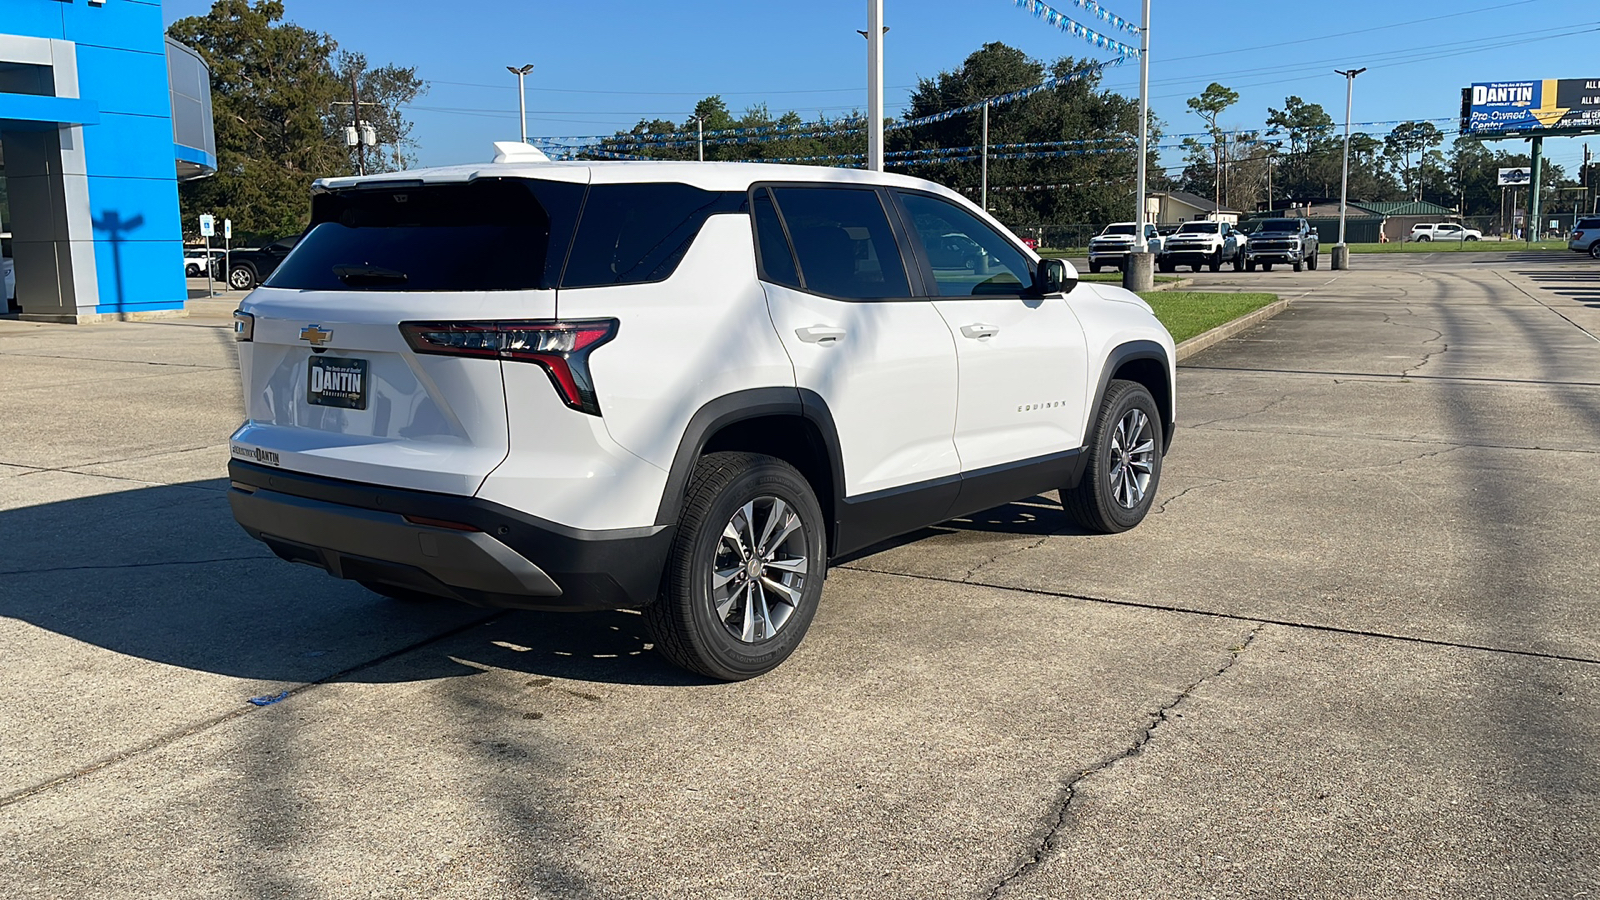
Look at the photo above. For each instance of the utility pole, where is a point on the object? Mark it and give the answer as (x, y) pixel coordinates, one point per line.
(874, 37)
(700, 134)
(1341, 250)
(1534, 206)
(355, 116)
(522, 98)
(985, 179)
(1140, 272)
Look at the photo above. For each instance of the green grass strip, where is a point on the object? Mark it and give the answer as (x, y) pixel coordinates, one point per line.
(1485, 246)
(1188, 313)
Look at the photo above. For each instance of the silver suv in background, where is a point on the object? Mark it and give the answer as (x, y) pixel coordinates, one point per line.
(1112, 246)
(1586, 237)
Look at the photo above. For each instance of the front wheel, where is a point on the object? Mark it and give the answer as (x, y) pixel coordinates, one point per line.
(1124, 466)
(745, 571)
(1471, 238)
(1238, 261)
(1299, 266)
(1165, 266)
(241, 278)
(1266, 267)
(1094, 267)
(1216, 262)
(1249, 265)
(1311, 260)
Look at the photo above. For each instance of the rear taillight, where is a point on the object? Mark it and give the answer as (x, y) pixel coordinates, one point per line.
(561, 348)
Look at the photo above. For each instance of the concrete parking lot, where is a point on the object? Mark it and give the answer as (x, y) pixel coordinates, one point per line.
(1353, 653)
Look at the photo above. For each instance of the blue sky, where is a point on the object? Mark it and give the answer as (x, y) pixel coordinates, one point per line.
(601, 66)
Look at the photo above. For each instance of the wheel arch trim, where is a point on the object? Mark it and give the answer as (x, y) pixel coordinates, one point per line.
(1133, 351)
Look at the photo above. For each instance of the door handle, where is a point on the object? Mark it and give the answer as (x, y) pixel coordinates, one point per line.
(819, 334)
(979, 331)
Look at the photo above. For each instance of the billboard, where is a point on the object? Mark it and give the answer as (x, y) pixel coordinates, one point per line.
(1514, 177)
(1531, 107)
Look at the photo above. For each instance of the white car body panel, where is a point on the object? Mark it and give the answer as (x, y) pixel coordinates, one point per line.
(1113, 316)
(1016, 397)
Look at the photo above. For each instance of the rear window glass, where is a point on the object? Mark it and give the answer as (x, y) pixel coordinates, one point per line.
(489, 235)
(1584, 224)
(637, 233)
(843, 242)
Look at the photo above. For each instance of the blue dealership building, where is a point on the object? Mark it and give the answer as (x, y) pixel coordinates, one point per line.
(100, 117)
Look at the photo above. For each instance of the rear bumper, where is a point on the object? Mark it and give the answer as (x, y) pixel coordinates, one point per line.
(506, 559)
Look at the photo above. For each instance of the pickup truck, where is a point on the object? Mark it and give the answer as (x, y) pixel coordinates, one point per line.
(1290, 241)
(1443, 231)
(1112, 246)
(248, 268)
(1199, 244)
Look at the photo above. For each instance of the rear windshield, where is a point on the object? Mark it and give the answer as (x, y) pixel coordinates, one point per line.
(498, 235)
(1198, 228)
(489, 235)
(1269, 225)
(1118, 229)
(1584, 224)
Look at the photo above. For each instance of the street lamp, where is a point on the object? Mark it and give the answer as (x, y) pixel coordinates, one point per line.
(1341, 250)
(874, 36)
(1139, 273)
(522, 97)
(700, 134)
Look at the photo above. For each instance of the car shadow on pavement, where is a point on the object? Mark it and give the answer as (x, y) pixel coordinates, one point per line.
(1038, 516)
(163, 573)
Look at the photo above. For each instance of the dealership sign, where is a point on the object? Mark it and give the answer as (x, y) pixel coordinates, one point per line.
(1514, 177)
(1532, 106)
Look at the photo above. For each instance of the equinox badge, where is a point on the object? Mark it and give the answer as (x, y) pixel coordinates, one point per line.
(315, 335)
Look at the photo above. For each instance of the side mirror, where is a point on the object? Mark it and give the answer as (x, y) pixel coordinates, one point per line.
(1054, 276)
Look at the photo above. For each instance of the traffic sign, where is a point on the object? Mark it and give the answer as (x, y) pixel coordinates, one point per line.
(227, 228)
(208, 225)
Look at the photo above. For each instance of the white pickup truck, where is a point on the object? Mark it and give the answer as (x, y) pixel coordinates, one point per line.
(1112, 246)
(1443, 231)
(1199, 244)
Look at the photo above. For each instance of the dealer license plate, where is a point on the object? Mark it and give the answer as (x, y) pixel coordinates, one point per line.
(337, 381)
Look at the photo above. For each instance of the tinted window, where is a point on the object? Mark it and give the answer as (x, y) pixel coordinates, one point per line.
(1118, 229)
(967, 256)
(1289, 225)
(1198, 228)
(490, 235)
(777, 262)
(843, 242)
(636, 233)
(1588, 223)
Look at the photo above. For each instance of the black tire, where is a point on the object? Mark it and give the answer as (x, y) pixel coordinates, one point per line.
(1249, 265)
(1098, 502)
(1299, 266)
(1238, 261)
(1165, 266)
(1470, 238)
(191, 271)
(1216, 262)
(1094, 267)
(1424, 239)
(241, 278)
(1266, 267)
(1594, 250)
(1311, 260)
(684, 621)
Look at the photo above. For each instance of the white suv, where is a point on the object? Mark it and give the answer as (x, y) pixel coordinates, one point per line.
(1443, 231)
(682, 387)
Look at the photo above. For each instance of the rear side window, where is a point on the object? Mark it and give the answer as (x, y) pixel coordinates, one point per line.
(777, 263)
(843, 242)
(489, 235)
(637, 233)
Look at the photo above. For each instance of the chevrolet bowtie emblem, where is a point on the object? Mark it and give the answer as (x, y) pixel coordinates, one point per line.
(315, 335)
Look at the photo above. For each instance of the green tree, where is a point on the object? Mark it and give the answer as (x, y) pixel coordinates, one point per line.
(1212, 103)
(382, 91)
(274, 91)
(1412, 139)
(1311, 162)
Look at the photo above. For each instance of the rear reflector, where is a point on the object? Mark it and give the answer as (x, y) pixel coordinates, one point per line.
(441, 523)
(560, 348)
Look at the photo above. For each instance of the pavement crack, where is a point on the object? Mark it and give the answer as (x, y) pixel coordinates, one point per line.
(1002, 555)
(1056, 819)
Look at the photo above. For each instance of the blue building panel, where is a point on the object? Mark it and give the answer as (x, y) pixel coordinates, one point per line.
(134, 209)
(140, 276)
(130, 147)
(34, 19)
(125, 81)
(118, 25)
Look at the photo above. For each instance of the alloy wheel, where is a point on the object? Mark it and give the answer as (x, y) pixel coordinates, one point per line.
(1133, 451)
(758, 573)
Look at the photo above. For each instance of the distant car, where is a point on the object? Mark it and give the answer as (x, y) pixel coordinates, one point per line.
(1586, 237)
(1443, 231)
(1199, 244)
(248, 268)
(194, 262)
(955, 251)
(1112, 246)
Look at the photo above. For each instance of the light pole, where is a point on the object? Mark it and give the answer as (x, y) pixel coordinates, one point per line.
(1140, 273)
(874, 38)
(1341, 250)
(700, 134)
(522, 97)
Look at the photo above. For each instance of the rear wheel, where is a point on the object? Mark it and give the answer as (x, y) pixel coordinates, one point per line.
(745, 573)
(1424, 239)
(1124, 466)
(1238, 261)
(1311, 260)
(1594, 250)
